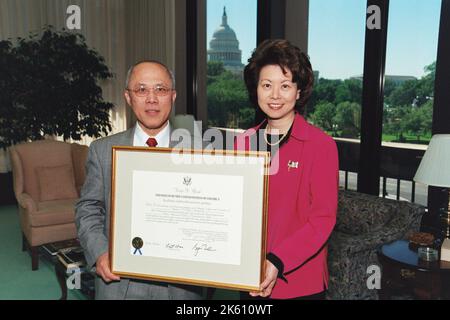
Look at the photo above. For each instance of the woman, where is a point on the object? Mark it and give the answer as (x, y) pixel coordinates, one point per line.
(303, 183)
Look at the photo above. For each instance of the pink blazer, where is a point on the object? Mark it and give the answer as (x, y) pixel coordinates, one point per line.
(302, 207)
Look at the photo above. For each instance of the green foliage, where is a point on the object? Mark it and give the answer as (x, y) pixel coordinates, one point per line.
(404, 94)
(48, 86)
(325, 90)
(389, 87)
(407, 111)
(324, 116)
(215, 68)
(393, 121)
(228, 104)
(418, 120)
(247, 117)
(410, 107)
(335, 105)
(348, 119)
(414, 92)
(349, 91)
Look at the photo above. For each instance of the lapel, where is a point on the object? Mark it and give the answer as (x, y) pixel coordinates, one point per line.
(287, 164)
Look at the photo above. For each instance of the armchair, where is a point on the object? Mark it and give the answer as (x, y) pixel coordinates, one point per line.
(47, 176)
(364, 223)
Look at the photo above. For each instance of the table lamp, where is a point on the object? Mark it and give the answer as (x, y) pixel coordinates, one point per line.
(434, 170)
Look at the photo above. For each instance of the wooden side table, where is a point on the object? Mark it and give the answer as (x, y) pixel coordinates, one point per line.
(61, 275)
(403, 271)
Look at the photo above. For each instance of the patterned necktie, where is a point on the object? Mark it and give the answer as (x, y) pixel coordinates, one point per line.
(151, 142)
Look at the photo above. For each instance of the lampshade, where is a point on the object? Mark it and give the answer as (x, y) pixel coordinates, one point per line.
(434, 169)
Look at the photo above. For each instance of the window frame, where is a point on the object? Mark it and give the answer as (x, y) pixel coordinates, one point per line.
(275, 21)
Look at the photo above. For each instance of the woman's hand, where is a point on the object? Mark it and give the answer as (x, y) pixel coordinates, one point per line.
(268, 283)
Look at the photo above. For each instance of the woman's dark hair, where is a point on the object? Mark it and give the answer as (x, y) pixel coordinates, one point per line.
(282, 53)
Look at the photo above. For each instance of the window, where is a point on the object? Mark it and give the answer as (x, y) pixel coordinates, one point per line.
(410, 70)
(231, 38)
(336, 49)
(413, 29)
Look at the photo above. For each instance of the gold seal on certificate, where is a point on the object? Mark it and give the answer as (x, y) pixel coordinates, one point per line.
(137, 244)
(195, 220)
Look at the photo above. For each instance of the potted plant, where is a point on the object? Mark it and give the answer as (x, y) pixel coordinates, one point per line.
(49, 85)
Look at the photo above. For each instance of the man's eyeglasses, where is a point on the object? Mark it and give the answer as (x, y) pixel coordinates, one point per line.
(143, 91)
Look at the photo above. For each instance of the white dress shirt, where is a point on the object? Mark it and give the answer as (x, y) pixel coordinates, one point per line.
(140, 137)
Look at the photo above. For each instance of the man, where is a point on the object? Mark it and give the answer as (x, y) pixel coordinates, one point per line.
(150, 93)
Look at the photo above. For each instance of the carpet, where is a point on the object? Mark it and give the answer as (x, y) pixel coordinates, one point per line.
(18, 282)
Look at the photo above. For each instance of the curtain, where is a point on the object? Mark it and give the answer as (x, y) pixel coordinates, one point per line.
(122, 31)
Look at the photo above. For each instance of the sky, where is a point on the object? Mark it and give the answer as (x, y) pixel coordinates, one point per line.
(336, 34)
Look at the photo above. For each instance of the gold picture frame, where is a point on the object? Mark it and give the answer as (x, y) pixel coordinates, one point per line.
(195, 217)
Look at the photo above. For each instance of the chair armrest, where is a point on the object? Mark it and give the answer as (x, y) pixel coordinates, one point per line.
(27, 202)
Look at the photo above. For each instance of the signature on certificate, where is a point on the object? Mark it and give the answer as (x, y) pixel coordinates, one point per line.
(201, 247)
(174, 246)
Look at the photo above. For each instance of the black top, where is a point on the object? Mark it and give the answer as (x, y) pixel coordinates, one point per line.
(273, 138)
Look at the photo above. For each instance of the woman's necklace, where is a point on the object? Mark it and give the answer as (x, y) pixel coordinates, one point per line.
(279, 140)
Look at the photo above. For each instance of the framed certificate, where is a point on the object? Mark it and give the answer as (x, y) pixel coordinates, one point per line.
(189, 216)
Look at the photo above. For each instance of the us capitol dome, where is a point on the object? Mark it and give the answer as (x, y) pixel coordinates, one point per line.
(224, 47)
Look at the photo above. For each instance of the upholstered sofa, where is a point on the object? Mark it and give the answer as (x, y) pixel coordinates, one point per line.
(364, 223)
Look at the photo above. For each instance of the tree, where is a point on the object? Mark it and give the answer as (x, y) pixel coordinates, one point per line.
(413, 122)
(247, 117)
(425, 87)
(394, 117)
(414, 92)
(389, 87)
(215, 68)
(227, 95)
(349, 90)
(427, 116)
(405, 94)
(325, 90)
(228, 104)
(48, 86)
(348, 119)
(410, 106)
(324, 116)
(418, 120)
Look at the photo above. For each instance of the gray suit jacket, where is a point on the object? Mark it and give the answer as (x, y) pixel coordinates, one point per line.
(92, 216)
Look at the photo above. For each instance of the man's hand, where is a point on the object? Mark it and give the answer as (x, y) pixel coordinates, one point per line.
(102, 268)
(268, 283)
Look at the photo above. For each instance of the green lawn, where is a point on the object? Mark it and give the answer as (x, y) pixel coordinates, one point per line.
(408, 138)
(393, 138)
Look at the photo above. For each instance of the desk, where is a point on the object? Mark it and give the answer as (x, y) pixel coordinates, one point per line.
(403, 270)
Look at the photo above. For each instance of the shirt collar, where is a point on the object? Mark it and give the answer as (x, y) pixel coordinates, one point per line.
(141, 137)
